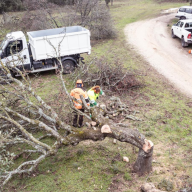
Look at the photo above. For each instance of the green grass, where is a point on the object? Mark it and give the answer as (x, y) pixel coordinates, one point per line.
(80, 168)
(127, 176)
(166, 120)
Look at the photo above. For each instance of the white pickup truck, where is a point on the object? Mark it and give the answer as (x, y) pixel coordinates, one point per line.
(43, 49)
(183, 29)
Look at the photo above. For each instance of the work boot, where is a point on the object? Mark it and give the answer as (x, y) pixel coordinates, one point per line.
(80, 125)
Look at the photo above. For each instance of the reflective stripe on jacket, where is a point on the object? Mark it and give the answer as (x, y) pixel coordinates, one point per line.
(76, 94)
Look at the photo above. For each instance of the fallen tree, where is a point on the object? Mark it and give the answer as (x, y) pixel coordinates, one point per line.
(23, 111)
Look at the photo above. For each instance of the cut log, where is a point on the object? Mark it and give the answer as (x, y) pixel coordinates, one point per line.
(126, 159)
(106, 129)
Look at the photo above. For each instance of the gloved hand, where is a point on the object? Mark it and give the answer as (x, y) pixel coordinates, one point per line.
(97, 105)
(103, 94)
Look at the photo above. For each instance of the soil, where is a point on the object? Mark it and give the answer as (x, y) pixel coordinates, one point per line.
(152, 39)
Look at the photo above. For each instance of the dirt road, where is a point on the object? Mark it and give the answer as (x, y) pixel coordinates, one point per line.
(152, 40)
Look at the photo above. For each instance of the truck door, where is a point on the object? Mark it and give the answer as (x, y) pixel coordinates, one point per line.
(16, 55)
(180, 29)
(177, 28)
(188, 13)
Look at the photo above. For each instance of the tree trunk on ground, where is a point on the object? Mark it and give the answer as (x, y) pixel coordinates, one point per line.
(108, 128)
(143, 163)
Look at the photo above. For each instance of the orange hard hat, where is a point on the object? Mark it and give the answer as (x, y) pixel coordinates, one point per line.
(79, 81)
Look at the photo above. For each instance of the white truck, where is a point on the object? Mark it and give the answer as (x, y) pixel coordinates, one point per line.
(182, 29)
(43, 49)
(184, 12)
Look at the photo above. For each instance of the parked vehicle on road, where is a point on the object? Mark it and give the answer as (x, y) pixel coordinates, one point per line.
(182, 29)
(184, 12)
(44, 49)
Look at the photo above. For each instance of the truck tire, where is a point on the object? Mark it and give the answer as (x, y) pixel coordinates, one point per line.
(172, 34)
(183, 43)
(68, 66)
(182, 18)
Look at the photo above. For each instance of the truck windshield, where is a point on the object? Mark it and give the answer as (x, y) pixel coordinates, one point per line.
(2, 43)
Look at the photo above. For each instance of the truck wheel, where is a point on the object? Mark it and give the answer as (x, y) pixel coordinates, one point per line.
(172, 34)
(182, 18)
(183, 43)
(68, 66)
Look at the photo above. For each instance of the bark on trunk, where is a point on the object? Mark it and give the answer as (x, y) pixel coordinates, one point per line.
(143, 163)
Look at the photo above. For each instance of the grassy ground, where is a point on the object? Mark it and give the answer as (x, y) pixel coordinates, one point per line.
(166, 120)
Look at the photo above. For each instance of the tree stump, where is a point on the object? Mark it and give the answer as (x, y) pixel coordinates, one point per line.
(143, 163)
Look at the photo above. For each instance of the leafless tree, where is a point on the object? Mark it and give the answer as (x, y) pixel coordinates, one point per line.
(96, 17)
(90, 14)
(9, 5)
(84, 7)
(41, 14)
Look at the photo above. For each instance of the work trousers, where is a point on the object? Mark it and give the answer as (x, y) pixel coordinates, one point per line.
(78, 119)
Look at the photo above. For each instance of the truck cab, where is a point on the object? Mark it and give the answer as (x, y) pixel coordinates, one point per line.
(14, 51)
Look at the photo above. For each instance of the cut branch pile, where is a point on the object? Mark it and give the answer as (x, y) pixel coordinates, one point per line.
(118, 111)
(112, 77)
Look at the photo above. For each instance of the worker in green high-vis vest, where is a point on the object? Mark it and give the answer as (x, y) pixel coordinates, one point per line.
(94, 94)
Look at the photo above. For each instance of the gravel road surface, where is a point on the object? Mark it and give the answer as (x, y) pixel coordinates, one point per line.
(152, 39)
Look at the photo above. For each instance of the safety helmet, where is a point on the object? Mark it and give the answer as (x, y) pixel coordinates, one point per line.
(79, 83)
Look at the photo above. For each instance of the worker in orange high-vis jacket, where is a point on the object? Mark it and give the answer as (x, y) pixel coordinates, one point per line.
(78, 119)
